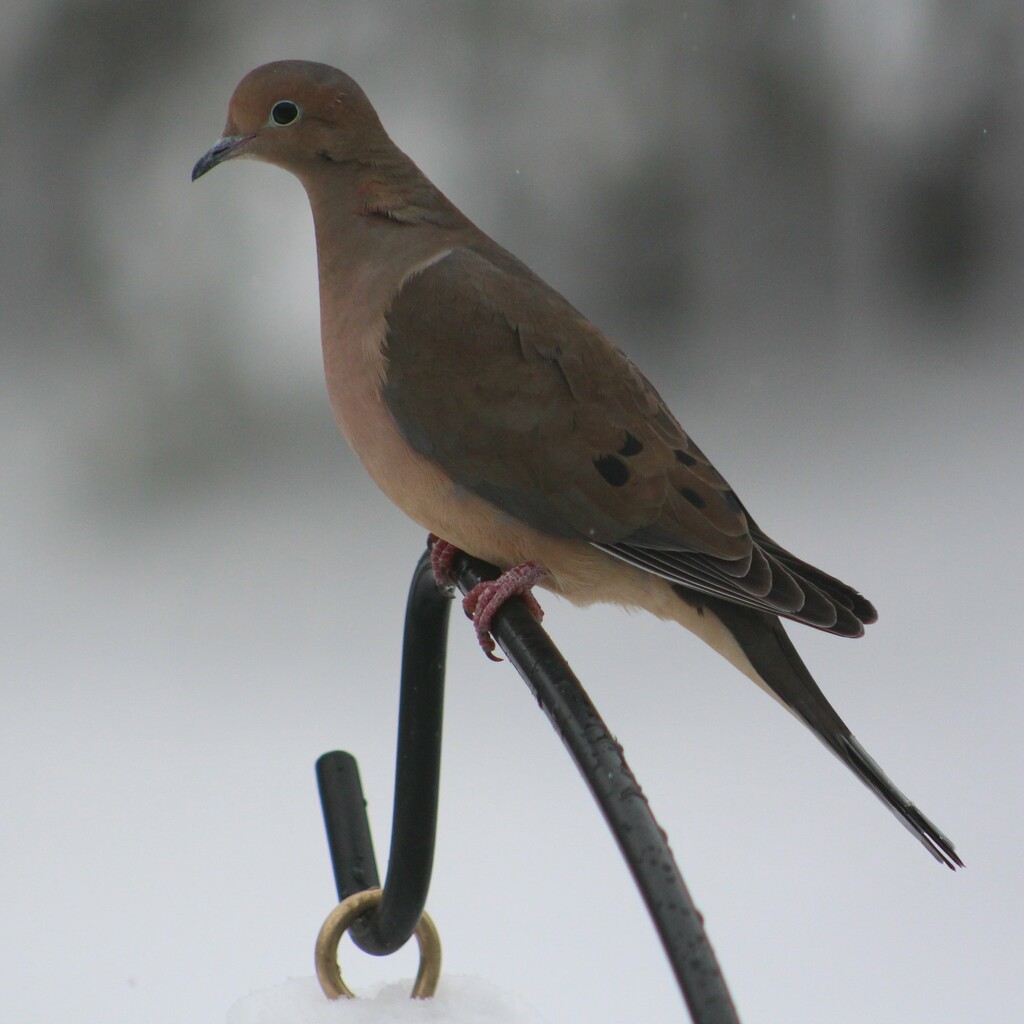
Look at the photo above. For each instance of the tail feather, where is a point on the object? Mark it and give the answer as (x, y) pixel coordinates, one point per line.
(777, 663)
(933, 840)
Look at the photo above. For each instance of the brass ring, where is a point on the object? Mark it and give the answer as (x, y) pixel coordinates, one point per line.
(340, 919)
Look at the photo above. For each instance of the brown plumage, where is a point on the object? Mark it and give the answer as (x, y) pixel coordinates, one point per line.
(500, 419)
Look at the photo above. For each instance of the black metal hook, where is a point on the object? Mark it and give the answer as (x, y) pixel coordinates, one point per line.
(597, 754)
(417, 773)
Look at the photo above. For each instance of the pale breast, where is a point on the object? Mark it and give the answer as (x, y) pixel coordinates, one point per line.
(355, 365)
(353, 331)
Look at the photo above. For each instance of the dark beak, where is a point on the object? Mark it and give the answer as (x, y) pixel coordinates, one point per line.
(223, 149)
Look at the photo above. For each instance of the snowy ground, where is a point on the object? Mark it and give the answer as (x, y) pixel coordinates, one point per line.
(172, 665)
(461, 1001)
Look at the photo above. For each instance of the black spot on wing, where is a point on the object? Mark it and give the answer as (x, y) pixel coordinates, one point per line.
(684, 457)
(632, 446)
(613, 469)
(732, 502)
(692, 497)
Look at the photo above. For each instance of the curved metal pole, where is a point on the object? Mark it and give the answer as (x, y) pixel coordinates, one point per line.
(597, 754)
(601, 762)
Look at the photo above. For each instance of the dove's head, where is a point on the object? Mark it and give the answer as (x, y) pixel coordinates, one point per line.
(298, 115)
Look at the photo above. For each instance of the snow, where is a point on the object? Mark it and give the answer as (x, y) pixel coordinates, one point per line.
(459, 1000)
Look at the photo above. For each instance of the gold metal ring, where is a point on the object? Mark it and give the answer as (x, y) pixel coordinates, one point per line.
(340, 919)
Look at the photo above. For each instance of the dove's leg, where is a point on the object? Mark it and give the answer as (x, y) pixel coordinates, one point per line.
(484, 600)
(442, 554)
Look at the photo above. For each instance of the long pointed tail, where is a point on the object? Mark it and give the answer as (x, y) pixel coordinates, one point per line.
(775, 660)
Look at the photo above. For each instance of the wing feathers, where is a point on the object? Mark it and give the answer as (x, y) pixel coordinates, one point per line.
(518, 398)
(791, 591)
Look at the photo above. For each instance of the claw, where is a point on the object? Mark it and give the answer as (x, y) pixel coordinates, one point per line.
(484, 600)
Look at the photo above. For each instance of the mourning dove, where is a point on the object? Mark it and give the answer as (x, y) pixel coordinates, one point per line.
(502, 421)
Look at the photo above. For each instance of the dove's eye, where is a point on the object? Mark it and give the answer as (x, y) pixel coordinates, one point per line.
(284, 112)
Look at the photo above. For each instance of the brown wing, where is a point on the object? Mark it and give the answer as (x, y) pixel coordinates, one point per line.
(496, 378)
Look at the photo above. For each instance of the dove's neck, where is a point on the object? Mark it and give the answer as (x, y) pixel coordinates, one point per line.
(364, 256)
(381, 181)
(370, 237)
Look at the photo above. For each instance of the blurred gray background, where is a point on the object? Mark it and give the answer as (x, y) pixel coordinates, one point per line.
(804, 221)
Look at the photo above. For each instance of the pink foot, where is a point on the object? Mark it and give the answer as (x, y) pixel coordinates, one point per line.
(442, 554)
(484, 600)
